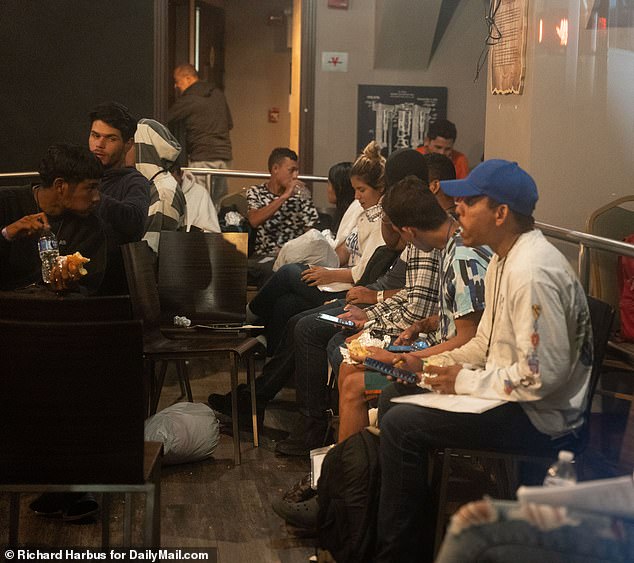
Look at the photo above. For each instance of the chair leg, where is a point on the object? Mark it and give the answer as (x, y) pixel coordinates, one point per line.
(127, 520)
(254, 409)
(158, 386)
(442, 502)
(183, 377)
(234, 408)
(105, 520)
(14, 519)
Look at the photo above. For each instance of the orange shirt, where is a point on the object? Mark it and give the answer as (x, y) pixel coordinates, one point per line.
(459, 161)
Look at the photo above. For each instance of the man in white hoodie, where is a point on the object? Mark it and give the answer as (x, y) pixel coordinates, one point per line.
(532, 349)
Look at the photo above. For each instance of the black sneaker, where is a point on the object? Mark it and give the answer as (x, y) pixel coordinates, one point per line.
(300, 491)
(50, 505)
(221, 404)
(81, 509)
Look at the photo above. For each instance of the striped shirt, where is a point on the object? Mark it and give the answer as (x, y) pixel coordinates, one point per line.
(417, 300)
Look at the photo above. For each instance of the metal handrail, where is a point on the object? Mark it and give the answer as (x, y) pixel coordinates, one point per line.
(584, 240)
(207, 171)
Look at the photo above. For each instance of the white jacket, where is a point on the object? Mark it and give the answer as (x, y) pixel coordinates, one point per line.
(540, 351)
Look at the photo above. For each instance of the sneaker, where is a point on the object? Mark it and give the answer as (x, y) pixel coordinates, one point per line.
(222, 404)
(300, 491)
(80, 509)
(49, 505)
(300, 514)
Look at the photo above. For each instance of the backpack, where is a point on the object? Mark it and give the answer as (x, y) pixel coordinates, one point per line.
(348, 496)
(626, 294)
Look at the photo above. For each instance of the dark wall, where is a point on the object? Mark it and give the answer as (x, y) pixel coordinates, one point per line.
(61, 57)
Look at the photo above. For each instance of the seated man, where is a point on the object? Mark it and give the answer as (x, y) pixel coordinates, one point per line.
(63, 203)
(125, 192)
(280, 210)
(533, 349)
(440, 139)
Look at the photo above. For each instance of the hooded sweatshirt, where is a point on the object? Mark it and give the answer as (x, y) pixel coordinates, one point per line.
(207, 118)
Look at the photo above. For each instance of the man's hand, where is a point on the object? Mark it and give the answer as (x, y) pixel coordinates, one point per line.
(410, 334)
(355, 314)
(64, 275)
(28, 226)
(442, 379)
(317, 275)
(360, 294)
(473, 514)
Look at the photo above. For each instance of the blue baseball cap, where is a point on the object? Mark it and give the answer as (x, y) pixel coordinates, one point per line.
(501, 180)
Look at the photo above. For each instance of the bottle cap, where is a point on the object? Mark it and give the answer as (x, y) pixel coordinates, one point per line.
(565, 455)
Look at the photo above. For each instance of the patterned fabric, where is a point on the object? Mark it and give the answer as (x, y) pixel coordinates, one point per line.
(419, 298)
(156, 151)
(352, 243)
(461, 283)
(296, 215)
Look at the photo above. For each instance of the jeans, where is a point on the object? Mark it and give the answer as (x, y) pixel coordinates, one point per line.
(406, 519)
(281, 297)
(295, 352)
(519, 541)
(311, 362)
(216, 185)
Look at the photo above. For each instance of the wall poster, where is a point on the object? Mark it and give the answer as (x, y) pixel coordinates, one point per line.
(397, 116)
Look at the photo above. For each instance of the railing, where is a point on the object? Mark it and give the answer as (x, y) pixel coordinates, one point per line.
(585, 241)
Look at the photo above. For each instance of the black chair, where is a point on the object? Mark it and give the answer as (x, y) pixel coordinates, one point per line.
(502, 466)
(158, 349)
(78, 425)
(203, 276)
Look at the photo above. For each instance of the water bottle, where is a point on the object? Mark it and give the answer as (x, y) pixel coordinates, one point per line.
(562, 473)
(49, 252)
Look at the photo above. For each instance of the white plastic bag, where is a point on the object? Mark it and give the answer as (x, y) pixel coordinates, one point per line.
(189, 432)
(312, 248)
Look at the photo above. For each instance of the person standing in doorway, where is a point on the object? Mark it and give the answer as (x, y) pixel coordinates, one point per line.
(203, 111)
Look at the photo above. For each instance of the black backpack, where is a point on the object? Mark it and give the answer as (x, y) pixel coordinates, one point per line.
(348, 496)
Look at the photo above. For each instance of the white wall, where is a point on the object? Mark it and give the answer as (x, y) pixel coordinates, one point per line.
(453, 66)
(573, 127)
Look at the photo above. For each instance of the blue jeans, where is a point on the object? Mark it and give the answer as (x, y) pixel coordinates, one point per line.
(406, 519)
(520, 542)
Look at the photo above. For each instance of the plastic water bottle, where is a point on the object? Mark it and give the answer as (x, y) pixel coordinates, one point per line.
(562, 473)
(49, 251)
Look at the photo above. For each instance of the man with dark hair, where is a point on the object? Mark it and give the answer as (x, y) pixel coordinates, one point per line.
(280, 210)
(63, 203)
(440, 139)
(125, 192)
(203, 109)
(532, 349)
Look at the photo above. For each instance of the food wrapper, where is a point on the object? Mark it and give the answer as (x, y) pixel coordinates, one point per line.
(359, 345)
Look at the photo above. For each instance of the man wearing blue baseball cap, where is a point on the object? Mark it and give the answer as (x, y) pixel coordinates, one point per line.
(532, 350)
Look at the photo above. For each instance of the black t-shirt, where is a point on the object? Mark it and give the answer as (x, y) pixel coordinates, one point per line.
(20, 263)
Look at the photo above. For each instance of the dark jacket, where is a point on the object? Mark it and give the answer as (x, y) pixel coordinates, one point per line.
(207, 118)
(125, 199)
(20, 263)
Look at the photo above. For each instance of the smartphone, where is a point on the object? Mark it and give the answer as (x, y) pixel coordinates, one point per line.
(335, 320)
(413, 347)
(397, 349)
(389, 369)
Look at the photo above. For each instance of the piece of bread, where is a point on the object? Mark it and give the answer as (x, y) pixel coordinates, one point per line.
(76, 263)
(357, 349)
